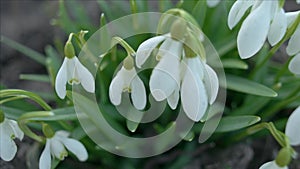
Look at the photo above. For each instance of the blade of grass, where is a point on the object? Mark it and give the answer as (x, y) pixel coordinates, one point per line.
(34, 55)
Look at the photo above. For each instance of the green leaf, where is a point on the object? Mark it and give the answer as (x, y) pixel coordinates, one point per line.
(234, 64)
(231, 123)
(246, 86)
(34, 55)
(35, 77)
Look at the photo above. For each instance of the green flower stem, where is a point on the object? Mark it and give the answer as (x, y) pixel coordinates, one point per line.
(278, 106)
(281, 72)
(280, 137)
(29, 117)
(24, 94)
(117, 40)
(11, 99)
(289, 33)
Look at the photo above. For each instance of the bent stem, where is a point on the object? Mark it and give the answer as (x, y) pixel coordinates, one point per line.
(29, 117)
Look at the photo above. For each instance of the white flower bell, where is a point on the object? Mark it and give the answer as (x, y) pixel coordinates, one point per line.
(128, 80)
(73, 72)
(55, 147)
(266, 20)
(292, 131)
(9, 130)
(272, 165)
(212, 3)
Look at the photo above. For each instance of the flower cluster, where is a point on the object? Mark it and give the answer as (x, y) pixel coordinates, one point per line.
(267, 20)
(292, 132)
(179, 72)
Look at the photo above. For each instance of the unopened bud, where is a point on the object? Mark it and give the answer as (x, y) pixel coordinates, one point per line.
(284, 157)
(178, 29)
(2, 117)
(128, 63)
(47, 130)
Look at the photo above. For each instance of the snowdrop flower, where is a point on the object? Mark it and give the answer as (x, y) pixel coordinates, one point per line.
(293, 47)
(179, 74)
(9, 130)
(292, 131)
(73, 72)
(294, 65)
(212, 3)
(128, 80)
(272, 165)
(55, 148)
(266, 21)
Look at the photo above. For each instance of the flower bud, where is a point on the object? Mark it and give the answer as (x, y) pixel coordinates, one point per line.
(284, 157)
(47, 130)
(190, 47)
(1, 116)
(69, 50)
(128, 63)
(178, 29)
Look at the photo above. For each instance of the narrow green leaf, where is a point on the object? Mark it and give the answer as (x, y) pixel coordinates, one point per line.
(231, 123)
(35, 77)
(246, 86)
(234, 64)
(34, 55)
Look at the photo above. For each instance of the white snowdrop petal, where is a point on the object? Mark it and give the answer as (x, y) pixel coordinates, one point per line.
(291, 17)
(174, 98)
(45, 159)
(212, 3)
(271, 165)
(138, 93)
(278, 27)
(254, 30)
(294, 65)
(16, 129)
(211, 83)
(292, 129)
(8, 147)
(237, 11)
(61, 80)
(85, 77)
(298, 1)
(294, 43)
(57, 149)
(193, 95)
(166, 76)
(145, 49)
(71, 73)
(76, 148)
(116, 89)
(61, 134)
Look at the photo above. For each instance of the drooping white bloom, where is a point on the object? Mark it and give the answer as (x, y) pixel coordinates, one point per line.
(55, 148)
(176, 75)
(294, 65)
(292, 129)
(266, 20)
(165, 77)
(73, 72)
(9, 130)
(212, 3)
(128, 80)
(272, 165)
(294, 43)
